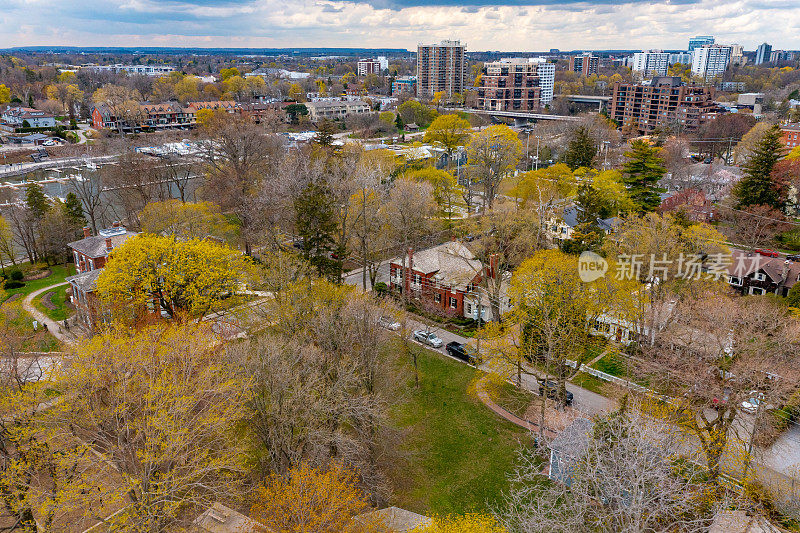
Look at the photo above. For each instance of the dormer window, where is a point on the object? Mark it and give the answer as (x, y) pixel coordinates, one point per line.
(759, 276)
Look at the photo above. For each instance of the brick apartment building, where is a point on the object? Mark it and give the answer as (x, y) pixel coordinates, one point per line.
(372, 66)
(404, 84)
(665, 102)
(790, 135)
(441, 68)
(91, 254)
(584, 65)
(516, 84)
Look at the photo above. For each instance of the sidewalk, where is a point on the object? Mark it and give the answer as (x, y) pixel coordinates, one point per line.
(55, 328)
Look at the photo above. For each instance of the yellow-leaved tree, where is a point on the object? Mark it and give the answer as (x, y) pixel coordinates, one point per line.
(310, 500)
(184, 220)
(448, 131)
(182, 278)
(162, 407)
(468, 523)
(494, 152)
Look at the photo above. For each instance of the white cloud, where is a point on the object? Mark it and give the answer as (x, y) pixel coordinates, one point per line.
(314, 23)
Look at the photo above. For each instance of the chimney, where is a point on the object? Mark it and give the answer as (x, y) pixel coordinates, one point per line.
(87, 232)
(407, 271)
(115, 224)
(785, 270)
(493, 266)
(109, 246)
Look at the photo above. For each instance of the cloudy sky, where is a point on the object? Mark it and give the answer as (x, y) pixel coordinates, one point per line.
(483, 25)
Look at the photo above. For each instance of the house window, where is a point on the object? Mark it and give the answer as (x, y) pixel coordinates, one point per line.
(469, 309)
(733, 280)
(416, 278)
(437, 297)
(757, 291)
(453, 302)
(759, 276)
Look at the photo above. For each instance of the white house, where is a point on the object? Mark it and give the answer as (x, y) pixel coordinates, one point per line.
(18, 116)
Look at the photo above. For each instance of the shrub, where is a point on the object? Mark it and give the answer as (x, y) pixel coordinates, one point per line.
(380, 288)
(16, 275)
(13, 284)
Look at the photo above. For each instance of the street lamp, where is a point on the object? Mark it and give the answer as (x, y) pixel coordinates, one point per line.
(605, 153)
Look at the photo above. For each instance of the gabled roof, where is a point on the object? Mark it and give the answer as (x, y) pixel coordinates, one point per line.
(452, 264)
(781, 271)
(86, 281)
(95, 246)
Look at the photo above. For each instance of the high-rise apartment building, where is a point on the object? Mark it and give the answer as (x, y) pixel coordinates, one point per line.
(441, 68)
(652, 62)
(516, 84)
(372, 66)
(585, 64)
(737, 55)
(700, 40)
(711, 60)
(664, 102)
(762, 53)
(684, 58)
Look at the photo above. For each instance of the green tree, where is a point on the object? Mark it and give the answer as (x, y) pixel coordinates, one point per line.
(73, 209)
(757, 187)
(315, 214)
(398, 121)
(641, 174)
(325, 132)
(416, 112)
(36, 200)
(581, 149)
(295, 111)
(449, 132)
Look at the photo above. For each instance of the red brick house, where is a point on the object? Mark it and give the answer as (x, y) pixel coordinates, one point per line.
(692, 202)
(790, 135)
(91, 254)
(443, 275)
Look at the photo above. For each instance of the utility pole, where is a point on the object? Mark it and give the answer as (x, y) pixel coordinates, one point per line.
(537, 152)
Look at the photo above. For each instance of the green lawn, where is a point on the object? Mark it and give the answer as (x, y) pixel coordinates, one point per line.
(456, 453)
(58, 274)
(59, 299)
(511, 398)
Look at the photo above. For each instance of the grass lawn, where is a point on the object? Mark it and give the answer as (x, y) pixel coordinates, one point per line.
(17, 327)
(58, 274)
(511, 398)
(457, 452)
(59, 300)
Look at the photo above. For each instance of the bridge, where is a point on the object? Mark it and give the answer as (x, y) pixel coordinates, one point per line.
(520, 117)
(601, 101)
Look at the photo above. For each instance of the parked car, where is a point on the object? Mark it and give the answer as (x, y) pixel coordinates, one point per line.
(388, 323)
(552, 391)
(463, 352)
(793, 257)
(767, 253)
(752, 404)
(427, 337)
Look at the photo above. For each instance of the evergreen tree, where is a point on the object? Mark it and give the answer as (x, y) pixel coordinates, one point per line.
(325, 132)
(757, 187)
(641, 174)
(592, 205)
(36, 200)
(73, 209)
(581, 149)
(398, 121)
(316, 225)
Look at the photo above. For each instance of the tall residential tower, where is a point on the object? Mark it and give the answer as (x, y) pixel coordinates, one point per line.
(441, 68)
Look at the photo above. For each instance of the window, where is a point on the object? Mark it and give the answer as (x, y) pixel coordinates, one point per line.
(759, 276)
(469, 309)
(437, 297)
(733, 280)
(453, 302)
(757, 291)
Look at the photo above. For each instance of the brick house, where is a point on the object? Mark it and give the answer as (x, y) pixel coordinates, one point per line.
(790, 135)
(91, 254)
(752, 273)
(692, 202)
(446, 276)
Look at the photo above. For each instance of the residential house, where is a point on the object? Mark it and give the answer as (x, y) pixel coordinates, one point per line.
(790, 135)
(753, 273)
(560, 228)
(334, 109)
(444, 276)
(221, 519)
(22, 117)
(392, 519)
(170, 115)
(692, 202)
(91, 254)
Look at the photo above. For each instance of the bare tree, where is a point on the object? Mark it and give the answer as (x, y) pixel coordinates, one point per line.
(617, 474)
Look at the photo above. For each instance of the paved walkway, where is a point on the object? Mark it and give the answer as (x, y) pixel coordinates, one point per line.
(55, 328)
(483, 394)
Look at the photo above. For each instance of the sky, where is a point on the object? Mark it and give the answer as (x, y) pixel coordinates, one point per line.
(509, 25)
